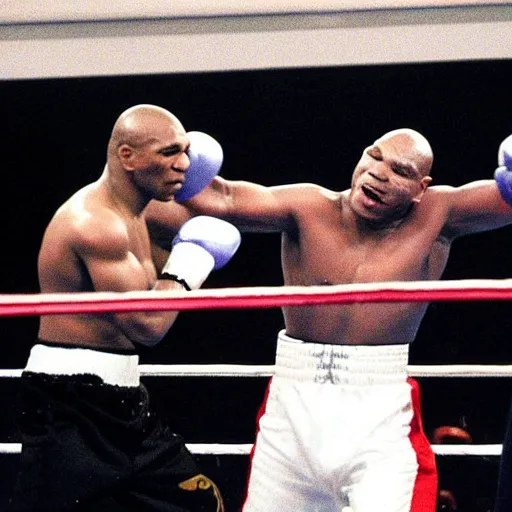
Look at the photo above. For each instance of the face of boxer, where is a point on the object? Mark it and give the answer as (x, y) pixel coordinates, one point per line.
(389, 178)
(157, 163)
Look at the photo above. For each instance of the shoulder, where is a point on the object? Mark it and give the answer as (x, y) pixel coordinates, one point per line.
(438, 196)
(86, 224)
(308, 188)
(306, 193)
(307, 200)
(440, 190)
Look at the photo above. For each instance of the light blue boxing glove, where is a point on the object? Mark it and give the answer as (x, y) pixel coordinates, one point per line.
(201, 245)
(503, 174)
(206, 157)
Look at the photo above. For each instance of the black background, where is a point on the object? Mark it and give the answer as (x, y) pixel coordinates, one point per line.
(276, 127)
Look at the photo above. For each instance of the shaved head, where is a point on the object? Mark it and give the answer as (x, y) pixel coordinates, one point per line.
(414, 143)
(140, 125)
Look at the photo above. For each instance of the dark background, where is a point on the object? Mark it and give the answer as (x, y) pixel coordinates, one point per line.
(276, 127)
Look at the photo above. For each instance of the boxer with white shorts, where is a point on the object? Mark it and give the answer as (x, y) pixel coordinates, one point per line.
(337, 450)
(358, 428)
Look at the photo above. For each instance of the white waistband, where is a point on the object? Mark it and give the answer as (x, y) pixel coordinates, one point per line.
(340, 364)
(114, 369)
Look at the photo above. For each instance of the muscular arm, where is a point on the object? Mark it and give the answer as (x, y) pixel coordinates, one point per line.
(475, 207)
(113, 267)
(249, 206)
(93, 252)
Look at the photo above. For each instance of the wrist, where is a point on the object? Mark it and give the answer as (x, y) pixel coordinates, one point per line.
(165, 276)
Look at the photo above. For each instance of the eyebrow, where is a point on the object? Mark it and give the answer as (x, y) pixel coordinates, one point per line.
(396, 163)
(174, 147)
(405, 167)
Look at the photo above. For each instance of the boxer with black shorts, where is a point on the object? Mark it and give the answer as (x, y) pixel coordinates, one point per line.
(340, 428)
(90, 439)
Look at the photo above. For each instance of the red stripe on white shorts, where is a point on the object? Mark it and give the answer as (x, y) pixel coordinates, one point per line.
(424, 496)
(425, 487)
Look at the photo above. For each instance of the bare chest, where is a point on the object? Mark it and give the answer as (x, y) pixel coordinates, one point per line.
(335, 256)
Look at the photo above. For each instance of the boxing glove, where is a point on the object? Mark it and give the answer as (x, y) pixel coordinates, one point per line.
(201, 245)
(503, 174)
(206, 157)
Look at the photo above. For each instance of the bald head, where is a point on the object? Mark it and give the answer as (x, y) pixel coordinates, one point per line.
(412, 145)
(141, 125)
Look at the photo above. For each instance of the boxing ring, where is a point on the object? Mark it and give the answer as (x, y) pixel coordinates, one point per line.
(273, 297)
(269, 297)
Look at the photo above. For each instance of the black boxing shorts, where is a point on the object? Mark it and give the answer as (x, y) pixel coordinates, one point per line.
(89, 445)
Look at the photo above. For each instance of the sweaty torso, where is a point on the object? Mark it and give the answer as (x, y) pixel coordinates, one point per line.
(325, 249)
(70, 245)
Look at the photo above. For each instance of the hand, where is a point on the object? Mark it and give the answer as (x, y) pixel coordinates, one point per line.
(202, 244)
(503, 174)
(206, 157)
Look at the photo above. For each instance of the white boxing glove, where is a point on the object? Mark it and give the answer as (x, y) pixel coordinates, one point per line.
(201, 245)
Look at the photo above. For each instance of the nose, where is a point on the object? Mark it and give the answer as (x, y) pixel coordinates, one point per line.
(379, 172)
(182, 163)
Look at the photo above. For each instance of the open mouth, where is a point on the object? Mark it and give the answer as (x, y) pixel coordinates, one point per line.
(372, 194)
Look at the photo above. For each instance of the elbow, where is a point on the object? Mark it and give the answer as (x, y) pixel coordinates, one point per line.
(148, 334)
(147, 341)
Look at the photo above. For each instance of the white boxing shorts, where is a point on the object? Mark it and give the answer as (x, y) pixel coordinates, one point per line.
(340, 430)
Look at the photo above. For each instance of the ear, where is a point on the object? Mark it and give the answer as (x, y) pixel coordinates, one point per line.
(424, 183)
(127, 157)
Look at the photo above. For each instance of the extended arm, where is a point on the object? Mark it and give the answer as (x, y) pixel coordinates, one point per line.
(484, 205)
(249, 206)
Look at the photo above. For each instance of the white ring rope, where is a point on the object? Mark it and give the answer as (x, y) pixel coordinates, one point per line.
(412, 291)
(239, 370)
(227, 370)
(479, 450)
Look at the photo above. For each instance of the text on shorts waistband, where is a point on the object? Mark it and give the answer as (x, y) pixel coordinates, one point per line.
(341, 364)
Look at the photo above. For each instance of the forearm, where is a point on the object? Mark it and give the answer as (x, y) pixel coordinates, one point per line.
(249, 206)
(148, 328)
(201, 245)
(485, 204)
(215, 200)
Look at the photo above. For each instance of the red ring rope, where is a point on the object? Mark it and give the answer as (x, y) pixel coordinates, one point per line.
(257, 297)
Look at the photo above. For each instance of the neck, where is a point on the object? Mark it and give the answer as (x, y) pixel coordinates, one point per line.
(124, 196)
(383, 226)
(380, 226)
